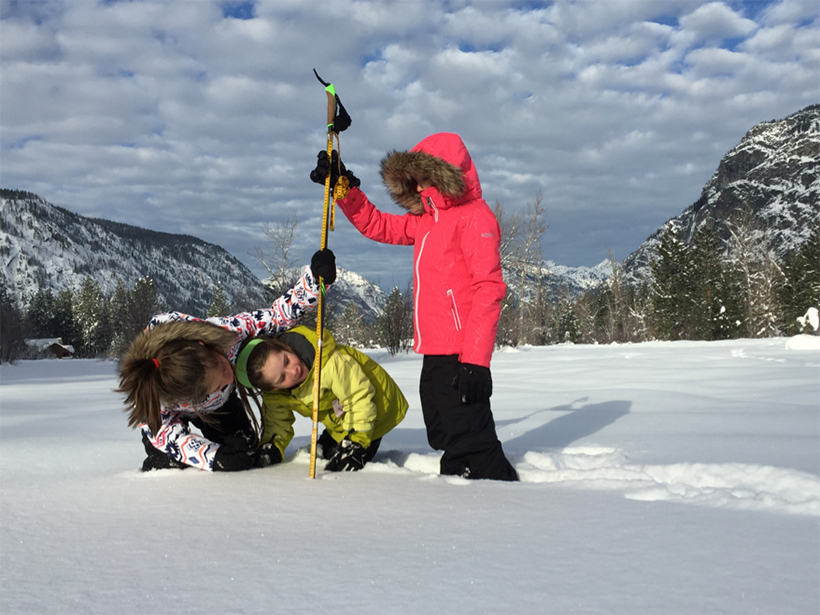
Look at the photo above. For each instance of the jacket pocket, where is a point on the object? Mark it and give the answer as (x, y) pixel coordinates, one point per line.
(454, 309)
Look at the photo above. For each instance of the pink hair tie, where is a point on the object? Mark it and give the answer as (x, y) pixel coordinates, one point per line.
(156, 363)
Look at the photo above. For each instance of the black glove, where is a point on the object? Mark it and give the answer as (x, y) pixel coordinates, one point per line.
(337, 169)
(232, 459)
(323, 264)
(348, 457)
(240, 439)
(475, 384)
(157, 460)
(326, 444)
(266, 455)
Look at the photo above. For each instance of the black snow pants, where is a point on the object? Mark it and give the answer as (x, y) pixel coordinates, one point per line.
(465, 432)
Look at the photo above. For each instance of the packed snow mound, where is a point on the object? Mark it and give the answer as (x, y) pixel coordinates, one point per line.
(803, 342)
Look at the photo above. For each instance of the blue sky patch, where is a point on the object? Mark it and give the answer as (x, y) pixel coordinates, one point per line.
(467, 47)
(238, 10)
(21, 143)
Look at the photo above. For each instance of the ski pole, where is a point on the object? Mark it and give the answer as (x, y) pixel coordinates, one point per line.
(336, 122)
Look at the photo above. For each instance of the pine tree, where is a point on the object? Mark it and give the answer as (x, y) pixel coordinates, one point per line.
(40, 315)
(143, 306)
(349, 327)
(219, 303)
(395, 325)
(120, 311)
(12, 325)
(64, 321)
(711, 295)
(671, 287)
(569, 328)
(93, 321)
(801, 285)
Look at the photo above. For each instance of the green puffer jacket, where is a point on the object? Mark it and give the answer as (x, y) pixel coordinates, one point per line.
(371, 402)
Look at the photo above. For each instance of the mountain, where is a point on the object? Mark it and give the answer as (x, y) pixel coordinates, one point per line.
(774, 172)
(558, 281)
(45, 246)
(349, 287)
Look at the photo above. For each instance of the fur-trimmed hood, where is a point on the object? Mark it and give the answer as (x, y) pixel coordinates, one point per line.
(149, 343)
(442, 160)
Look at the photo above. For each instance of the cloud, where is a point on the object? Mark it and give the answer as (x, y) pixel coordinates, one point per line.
(714, 23)
(205, 118)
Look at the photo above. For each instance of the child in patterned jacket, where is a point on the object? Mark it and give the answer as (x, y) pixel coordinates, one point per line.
(180, 371)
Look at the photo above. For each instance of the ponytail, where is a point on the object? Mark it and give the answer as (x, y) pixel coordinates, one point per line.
(166, 365)
(141, 382)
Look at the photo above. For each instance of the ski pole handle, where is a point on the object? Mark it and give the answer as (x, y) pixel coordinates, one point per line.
(331, 106)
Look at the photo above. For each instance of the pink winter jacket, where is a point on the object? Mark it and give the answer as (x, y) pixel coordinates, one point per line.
(457, 282)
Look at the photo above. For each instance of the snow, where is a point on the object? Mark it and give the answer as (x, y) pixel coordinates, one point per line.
(810, 318)
(664, 477)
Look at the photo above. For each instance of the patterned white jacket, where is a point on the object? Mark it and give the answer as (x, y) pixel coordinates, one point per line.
(175, 437)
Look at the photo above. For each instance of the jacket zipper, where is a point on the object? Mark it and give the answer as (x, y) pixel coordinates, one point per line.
(417, 289)
(416, 292)
(454, 309)
(435, 209)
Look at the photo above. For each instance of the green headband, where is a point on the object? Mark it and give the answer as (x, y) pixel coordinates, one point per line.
(242, 362)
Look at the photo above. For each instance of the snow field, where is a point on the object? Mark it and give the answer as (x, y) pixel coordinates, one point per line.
(656, 478)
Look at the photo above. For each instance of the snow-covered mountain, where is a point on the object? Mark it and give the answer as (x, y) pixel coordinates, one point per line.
(349, 287)
(774, 172)
(558, 282)
(45, 246)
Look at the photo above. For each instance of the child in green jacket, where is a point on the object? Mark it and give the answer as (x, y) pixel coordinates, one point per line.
(358, 403)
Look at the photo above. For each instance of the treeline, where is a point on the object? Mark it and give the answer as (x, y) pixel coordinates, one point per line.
(96, 325)
(716, 288)
(93, 324)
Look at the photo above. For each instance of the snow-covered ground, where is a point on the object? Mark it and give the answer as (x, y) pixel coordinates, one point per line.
(656, 478)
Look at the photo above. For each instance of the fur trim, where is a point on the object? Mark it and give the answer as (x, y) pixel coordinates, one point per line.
(149, 343)
(403, 171)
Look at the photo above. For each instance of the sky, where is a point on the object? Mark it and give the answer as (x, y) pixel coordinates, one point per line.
(674, 478)
(205, 118)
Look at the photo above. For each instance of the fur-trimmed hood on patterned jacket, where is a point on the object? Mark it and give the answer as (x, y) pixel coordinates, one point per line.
(149, 343)
(441, 160)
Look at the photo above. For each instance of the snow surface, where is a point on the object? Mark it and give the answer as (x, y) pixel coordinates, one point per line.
(656, 478)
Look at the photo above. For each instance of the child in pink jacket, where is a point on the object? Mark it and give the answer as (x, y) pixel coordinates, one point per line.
(457, 290)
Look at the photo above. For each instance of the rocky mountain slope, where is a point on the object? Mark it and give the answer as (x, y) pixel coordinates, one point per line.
(774, 172)
(44, 246)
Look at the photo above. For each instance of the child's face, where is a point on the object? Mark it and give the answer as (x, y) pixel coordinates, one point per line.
(216, 378)
(284, 370)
